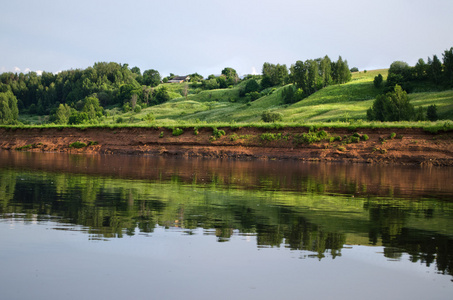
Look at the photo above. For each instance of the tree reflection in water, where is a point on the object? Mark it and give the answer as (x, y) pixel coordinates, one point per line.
(300, 211)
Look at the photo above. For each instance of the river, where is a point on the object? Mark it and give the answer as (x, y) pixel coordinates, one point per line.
(141, 227)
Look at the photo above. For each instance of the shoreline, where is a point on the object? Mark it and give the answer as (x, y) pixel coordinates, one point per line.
(399, 146)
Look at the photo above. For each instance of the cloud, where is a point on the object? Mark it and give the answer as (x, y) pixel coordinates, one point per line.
(16, 70)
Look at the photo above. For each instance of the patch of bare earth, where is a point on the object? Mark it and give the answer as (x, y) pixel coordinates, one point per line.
(406, 146)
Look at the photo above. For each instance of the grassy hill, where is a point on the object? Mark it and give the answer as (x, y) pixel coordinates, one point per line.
(337, 103)
(344, 102)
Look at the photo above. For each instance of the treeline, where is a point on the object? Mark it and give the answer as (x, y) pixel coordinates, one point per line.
(314, 74)
(394, 104)
(111, 83)
(306, 77)
(80, 96)
(434, 71)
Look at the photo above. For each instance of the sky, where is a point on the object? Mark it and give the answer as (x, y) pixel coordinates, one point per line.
(205, 36)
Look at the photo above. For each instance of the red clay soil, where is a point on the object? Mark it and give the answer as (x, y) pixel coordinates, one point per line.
(409, 146)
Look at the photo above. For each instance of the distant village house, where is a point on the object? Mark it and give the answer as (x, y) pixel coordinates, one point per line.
(179, 79)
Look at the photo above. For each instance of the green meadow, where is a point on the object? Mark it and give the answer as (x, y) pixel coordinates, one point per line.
(335, 106)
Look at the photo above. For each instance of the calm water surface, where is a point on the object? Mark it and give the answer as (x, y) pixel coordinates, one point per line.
(117, 227)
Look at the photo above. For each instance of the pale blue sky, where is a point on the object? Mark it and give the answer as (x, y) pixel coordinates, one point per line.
(205, 36)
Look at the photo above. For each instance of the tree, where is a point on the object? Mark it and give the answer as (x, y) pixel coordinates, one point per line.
(8, 108)
(62, 114)
(448, 67)
(136, 70)
(92, 108)
(151, 78)
(292, 95)
(435, 70)
(251, 86)
(326, 71)
(273, 74)
(127, 91)
(195, 77)
(299, 74)
(210, 84)
(431, 113)
(341, 72)
(393, 106)
(399, 73)
(222, 81)
(378, 81)
(161, 95)
(231, 76)
(421, 70)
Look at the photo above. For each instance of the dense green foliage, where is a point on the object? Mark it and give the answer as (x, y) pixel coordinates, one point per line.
(273, 75)
(434, 72)
(312, 75)
(317, 90)
(393, 106)
(8, 108)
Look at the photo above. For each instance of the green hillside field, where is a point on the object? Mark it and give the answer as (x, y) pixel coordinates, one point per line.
(341, 104)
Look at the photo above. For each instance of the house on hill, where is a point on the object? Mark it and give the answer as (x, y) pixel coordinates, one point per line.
(179, 79)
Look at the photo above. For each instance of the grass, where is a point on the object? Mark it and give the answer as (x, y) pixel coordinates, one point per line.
(345, 102)
(343, 105)
(351, 125)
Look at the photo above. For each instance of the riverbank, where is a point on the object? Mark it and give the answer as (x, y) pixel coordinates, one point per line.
(402, 146)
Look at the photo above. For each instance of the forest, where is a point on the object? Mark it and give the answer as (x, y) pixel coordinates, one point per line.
(91, 95)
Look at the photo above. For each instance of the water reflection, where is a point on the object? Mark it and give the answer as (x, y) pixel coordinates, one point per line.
(304, 207)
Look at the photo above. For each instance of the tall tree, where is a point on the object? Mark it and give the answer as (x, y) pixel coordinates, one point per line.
(8, 108)
(421, 70)
(273, 74)
(326, 71)
(299, 75)
(448, 67)
(435, 70)
(341, 72)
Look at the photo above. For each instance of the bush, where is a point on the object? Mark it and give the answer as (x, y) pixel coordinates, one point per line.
(177, 131)
(270, 117)
(149, 117)
(268, 136)
(77, 145)
(311, 137)
(217, 133)
(253, 96)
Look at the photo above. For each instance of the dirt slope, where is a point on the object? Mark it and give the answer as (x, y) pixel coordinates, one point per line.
(408, 146)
